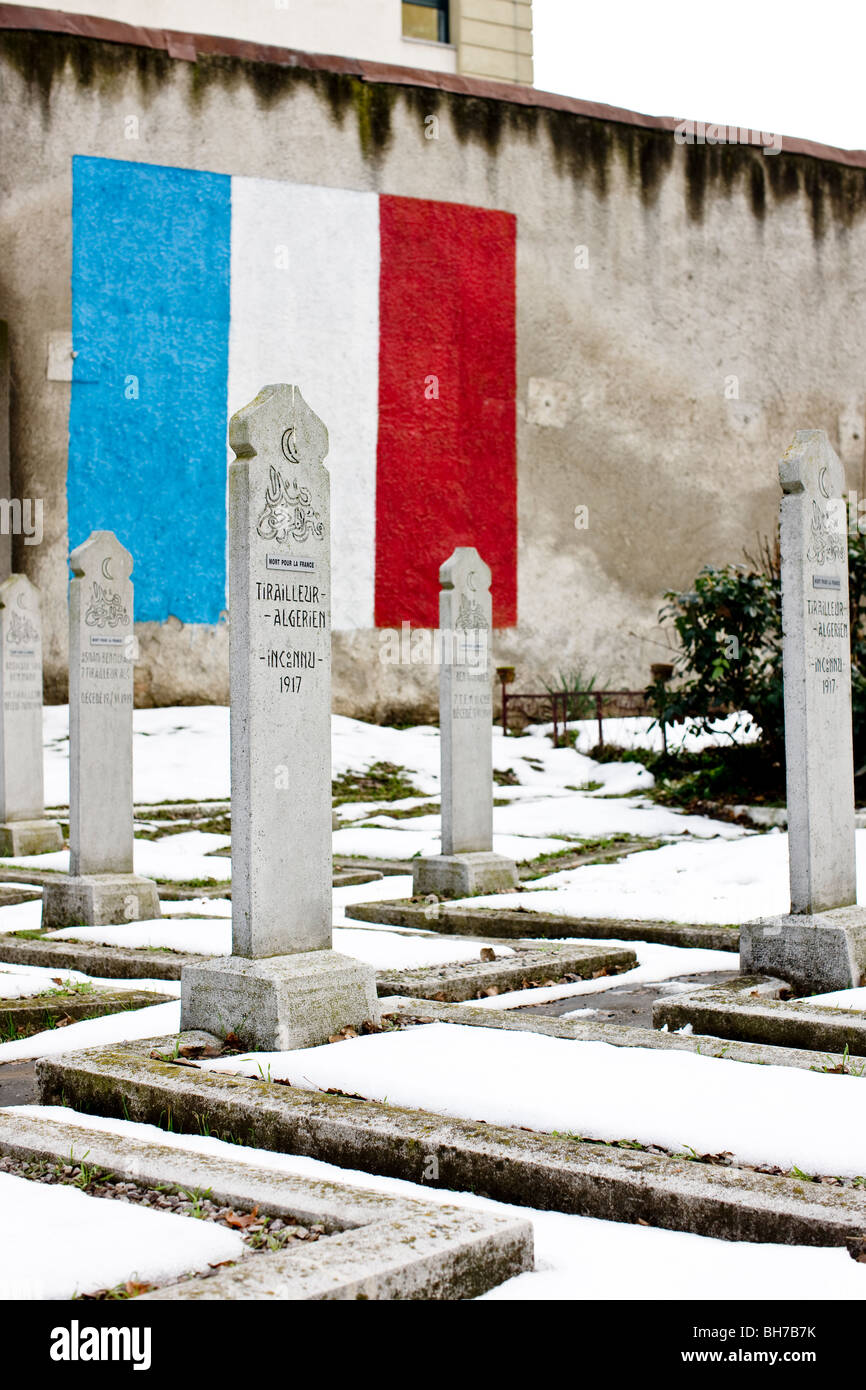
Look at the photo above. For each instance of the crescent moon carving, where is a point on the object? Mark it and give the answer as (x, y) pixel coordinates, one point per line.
(822, 481)
(470, 581)
(106, 568)
(21, 597)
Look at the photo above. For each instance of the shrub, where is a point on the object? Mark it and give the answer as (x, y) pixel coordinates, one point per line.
(729, 627)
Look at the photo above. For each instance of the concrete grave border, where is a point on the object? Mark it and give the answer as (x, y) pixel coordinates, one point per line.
(168, 889)
(377, 1247)
(614, 1034)
(104, 962)
(546, 1171)
(511, 923)
(461, 981)
(11, 895)
(32, 1008)
(458, 980)
(750, 1009)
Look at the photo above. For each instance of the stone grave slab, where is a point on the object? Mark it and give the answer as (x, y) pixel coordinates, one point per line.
(547, 1171)
(758, 1009)
(375, 1246)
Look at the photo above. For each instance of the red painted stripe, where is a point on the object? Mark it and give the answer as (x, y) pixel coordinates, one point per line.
(447, 467)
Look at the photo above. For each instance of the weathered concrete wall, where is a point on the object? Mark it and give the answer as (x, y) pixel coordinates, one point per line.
(702, 264)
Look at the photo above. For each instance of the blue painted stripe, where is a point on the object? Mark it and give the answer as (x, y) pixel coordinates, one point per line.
(147, 425)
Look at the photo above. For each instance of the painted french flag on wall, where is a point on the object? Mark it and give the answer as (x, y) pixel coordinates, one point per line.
(395, 316)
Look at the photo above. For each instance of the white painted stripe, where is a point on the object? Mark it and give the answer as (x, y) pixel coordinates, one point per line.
(305, 310)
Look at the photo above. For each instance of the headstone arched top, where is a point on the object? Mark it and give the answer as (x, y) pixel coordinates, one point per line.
(101, 557)
(811, 465)
(465, 581)
(279, 428)
(280, 445)
(21, 615)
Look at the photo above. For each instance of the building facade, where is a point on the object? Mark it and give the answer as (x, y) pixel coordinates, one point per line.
(574, 337)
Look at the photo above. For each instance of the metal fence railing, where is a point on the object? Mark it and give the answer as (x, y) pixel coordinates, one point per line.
(562, 707)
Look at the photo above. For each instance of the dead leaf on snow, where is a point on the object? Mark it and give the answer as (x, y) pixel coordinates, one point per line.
(344, 1034)
(134, 1289)
(175, 1061)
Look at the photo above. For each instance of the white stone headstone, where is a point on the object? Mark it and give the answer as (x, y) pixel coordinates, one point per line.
(466, 703)
(23, 828)
(101, 886)
(821, 944)
(100, 707)
(816, 627)
(280, 656)
(283, 986)
(467, 863)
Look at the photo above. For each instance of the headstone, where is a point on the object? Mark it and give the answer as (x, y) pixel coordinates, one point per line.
(283, 986)
(23, 827)
(821, 944)
(467, 863)
(101, 887)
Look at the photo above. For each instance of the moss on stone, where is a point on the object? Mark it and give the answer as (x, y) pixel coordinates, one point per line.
(832, 190)
(42, 60)
(372, 102)
(758, 190)
(783, 176)
(581, 147)
(655, 151)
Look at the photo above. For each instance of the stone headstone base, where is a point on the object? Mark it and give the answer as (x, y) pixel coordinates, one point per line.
(99, 900)
(19, 837)
(814, 953)
(278, 1003)
(459, 875)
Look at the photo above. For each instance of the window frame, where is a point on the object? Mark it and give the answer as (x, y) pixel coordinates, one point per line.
(443, 10)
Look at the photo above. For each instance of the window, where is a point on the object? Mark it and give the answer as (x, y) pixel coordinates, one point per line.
(426, 19)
